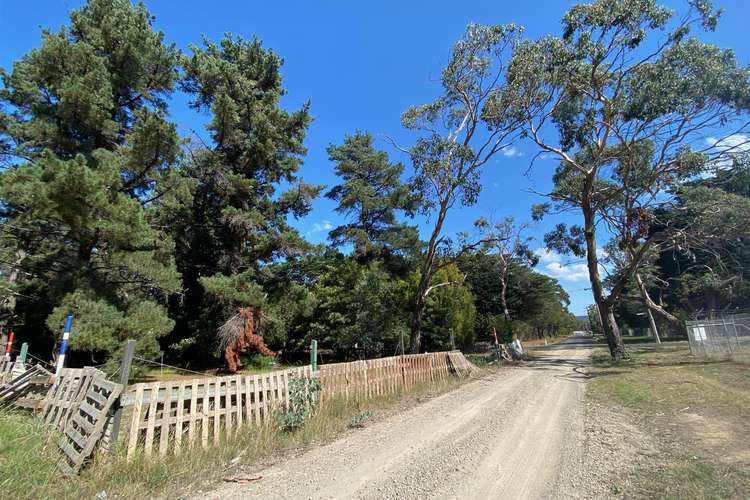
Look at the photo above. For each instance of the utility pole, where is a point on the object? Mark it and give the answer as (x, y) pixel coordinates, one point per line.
(653, 326)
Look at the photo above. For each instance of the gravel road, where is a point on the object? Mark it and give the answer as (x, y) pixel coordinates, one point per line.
(515, 434)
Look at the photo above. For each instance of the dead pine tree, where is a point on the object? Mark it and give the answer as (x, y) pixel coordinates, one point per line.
(237, 336)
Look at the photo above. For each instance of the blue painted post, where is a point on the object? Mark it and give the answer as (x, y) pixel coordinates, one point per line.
(64, 345)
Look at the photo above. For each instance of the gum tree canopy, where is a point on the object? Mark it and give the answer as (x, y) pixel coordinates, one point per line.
(625, 98)
(460, 132)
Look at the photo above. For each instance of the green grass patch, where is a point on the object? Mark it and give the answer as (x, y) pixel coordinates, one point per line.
(479, 360)
(669, 378)
(690, 478)
(640, 339)
(28, 451)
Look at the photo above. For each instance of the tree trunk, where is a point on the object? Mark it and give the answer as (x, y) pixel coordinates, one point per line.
(424, 283)
(659, 310)
(8, 301)
(503, 289)
(612, 332)
(646, 301)
(605, 305)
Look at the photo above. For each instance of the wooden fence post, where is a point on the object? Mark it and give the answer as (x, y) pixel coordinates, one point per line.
(3, 341)
(127, 360)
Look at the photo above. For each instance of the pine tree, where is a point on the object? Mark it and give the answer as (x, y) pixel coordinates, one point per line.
(370, 196)
(87, 148)
(238, 216)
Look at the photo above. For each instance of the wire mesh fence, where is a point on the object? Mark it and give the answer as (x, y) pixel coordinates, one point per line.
(720, 337)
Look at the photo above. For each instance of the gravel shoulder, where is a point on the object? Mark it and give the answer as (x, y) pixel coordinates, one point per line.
(518, 433)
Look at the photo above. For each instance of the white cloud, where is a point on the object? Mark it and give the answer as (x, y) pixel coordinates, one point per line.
(511, 151)
(724, 148)
(735, 143)
(318, 227)
(558, 266)
(567, 272)
(545, 255)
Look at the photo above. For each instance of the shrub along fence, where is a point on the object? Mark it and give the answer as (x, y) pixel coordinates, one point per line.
(169, 416)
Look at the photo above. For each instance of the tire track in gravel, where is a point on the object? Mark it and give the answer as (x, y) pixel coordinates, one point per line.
(512, 435)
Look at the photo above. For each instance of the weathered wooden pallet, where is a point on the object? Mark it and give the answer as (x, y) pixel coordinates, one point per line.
(33, 397)
(459, 364)
(6, 369)
(19, 386)
(86, 423)
(66, 392)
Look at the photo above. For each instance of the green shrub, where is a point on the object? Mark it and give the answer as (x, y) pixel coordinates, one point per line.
(303, 399)
(262, 362)
(358, 420)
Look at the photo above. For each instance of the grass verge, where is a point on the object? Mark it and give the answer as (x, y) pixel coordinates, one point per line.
(696, 412)
(28, 453)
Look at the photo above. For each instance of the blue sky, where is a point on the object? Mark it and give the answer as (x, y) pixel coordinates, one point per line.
(361, 64)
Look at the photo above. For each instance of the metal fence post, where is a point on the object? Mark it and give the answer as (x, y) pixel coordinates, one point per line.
(127, 360)
(24, 352)
(314, 356)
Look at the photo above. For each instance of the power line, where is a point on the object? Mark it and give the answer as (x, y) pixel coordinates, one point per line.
(156, 363)
(39, 360)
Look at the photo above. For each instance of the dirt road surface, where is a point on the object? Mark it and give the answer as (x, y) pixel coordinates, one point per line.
(515, 434)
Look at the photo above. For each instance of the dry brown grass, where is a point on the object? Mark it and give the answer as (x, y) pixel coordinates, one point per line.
(192, 472)
(698, 413)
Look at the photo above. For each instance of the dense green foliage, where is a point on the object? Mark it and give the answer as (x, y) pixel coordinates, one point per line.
(536, 303)
(370, 195)
(88, 148)
(625, 99)
(707, 269)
